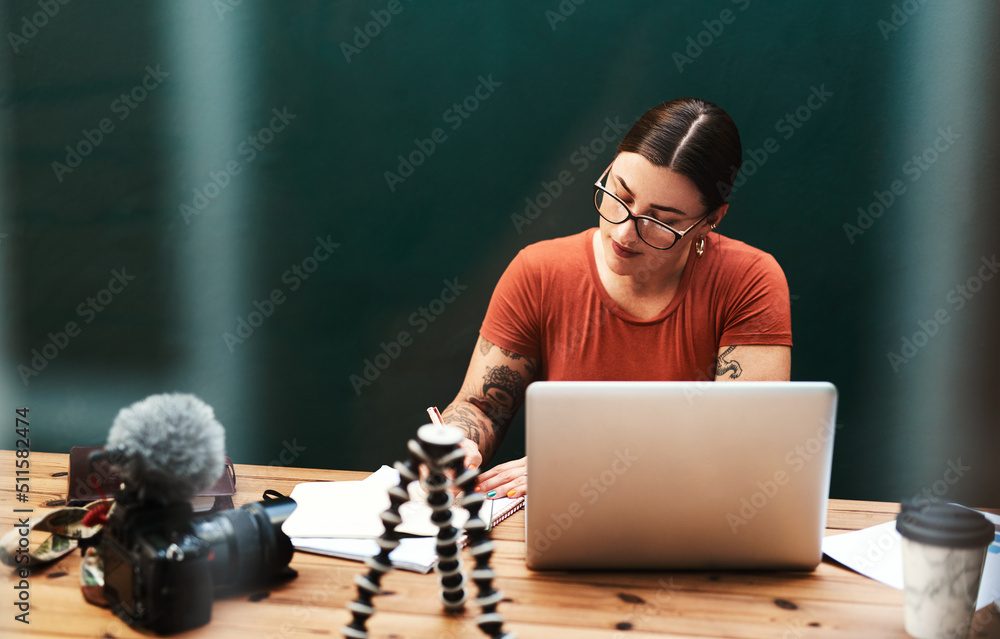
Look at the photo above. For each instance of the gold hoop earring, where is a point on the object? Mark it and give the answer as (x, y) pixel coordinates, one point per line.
(699, 246)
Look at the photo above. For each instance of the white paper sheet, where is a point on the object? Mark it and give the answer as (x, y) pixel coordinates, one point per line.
(341, 519)
(417, 554)
(351, 509)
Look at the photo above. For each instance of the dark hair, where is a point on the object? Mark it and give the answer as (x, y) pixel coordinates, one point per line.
(694, 138)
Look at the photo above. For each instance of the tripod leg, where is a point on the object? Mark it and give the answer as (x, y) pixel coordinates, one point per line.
(481, 548)
(441, 447)
(369, 585)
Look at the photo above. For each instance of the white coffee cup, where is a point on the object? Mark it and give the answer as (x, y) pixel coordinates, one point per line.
(944, 550)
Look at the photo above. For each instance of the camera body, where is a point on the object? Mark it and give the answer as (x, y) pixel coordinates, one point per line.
(162, 566)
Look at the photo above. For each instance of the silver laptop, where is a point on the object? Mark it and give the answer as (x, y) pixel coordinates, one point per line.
(678, 475)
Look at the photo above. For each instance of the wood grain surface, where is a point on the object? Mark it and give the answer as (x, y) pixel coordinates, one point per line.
(830, 602)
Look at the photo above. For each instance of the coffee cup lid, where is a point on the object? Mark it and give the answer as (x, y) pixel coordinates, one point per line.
(944, 525)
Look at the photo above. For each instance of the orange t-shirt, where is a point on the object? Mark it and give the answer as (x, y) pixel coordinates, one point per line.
(550, 304)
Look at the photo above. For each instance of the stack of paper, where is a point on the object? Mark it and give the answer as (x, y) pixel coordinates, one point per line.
(341, 519)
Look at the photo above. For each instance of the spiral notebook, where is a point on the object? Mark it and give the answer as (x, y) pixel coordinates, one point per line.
(341, 519)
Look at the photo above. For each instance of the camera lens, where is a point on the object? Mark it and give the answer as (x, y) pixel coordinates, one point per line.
(246, 545)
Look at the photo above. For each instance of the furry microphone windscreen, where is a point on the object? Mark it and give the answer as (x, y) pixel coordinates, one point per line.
(169, 447)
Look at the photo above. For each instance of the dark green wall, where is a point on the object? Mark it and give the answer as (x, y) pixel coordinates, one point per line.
(556, 85)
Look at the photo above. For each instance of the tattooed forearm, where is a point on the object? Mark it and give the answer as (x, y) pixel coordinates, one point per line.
(723, 365)
(485, 413)
(492, 393)
(496, 430)
(475, 425)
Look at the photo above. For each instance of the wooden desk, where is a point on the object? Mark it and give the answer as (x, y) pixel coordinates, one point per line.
(831, 602)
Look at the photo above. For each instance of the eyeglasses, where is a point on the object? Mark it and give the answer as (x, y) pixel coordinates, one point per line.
(651, 231)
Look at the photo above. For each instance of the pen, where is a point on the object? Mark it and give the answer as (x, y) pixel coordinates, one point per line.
(491, 495)
(435, 415)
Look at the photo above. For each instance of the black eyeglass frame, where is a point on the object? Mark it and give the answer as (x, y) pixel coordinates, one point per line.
(631, 216)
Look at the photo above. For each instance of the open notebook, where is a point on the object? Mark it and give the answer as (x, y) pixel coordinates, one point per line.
(341, 519)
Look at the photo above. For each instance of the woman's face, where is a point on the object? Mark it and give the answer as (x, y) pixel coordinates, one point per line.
(658, 192)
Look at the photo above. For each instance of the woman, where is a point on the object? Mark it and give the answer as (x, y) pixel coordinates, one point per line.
(651, 294)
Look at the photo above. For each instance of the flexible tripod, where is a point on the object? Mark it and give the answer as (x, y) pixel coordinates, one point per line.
(437, 448)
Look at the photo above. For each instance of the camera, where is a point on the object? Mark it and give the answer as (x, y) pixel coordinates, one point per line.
(162, 566)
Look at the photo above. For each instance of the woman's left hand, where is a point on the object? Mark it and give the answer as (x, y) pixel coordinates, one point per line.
(509, 479)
